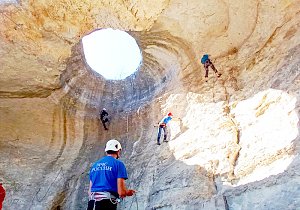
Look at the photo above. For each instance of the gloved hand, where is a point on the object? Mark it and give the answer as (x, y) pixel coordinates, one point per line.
(130, 192)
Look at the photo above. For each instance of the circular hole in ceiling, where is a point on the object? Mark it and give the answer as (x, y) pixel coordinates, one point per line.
(112, 53)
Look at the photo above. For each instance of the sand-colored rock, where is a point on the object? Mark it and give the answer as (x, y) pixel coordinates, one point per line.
(234, 143)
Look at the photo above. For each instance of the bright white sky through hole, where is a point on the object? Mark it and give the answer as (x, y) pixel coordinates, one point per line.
(112, 53)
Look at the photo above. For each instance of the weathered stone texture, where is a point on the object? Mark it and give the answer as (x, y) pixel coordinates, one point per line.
(234, 142)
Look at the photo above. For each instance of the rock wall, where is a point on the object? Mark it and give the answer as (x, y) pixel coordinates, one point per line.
(234, 142)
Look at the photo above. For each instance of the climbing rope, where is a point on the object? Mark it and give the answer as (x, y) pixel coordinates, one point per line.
(136, 201)
(41, 199)
(142, 174)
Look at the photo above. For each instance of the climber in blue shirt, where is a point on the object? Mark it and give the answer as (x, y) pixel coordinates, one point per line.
(162, 126)
(207, 63)
(107, 179)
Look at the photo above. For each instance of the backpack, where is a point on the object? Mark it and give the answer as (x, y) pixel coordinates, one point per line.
(204, 58)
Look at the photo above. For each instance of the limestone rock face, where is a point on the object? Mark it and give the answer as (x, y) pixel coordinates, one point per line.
(233, 142)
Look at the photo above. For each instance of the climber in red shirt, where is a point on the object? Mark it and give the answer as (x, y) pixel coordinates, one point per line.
(2, 195)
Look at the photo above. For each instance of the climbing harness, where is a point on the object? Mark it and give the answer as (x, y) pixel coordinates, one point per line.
(99, 196)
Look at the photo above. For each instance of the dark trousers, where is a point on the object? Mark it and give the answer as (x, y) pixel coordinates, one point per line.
(207, 64)
(104, 121)
(104, 204)
(162, 127)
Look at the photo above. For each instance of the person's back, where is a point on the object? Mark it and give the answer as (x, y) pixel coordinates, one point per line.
(165, 120)
(104, 174)
(204, 58)
(107, 179)
(103, 114)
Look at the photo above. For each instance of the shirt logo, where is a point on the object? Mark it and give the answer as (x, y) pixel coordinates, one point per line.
(101, 167)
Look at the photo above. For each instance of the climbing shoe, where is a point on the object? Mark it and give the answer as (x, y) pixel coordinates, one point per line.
(219, 74)
(158, 143)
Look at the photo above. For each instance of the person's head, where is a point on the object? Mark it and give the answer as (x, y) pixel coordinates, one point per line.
(113, 147)
(170, 114)
(104, 109)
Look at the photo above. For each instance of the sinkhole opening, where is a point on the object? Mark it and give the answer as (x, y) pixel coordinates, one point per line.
(112, 53)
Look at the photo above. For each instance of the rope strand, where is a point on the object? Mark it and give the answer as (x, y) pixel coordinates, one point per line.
(36, 195)
(142, 174)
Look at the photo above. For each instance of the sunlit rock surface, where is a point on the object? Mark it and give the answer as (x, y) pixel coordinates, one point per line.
(234, 141)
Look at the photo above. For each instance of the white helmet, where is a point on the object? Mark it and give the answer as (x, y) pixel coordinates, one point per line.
(113, 145)
(104, 109)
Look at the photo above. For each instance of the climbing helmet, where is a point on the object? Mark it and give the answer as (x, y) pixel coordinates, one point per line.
(113, 145)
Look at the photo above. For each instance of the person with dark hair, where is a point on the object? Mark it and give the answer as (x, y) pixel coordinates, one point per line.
(107, 180)
(104, 118)
(162, 125)
(207, 63)
(2, 195)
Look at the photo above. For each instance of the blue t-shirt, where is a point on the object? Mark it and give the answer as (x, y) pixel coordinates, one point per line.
(166, 119)
(204, 58)
(104, 174)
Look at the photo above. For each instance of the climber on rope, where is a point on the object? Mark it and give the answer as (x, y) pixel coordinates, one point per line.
(107, 180)
(207, 63)
(162, 125)
(104, 118)
(2, 195)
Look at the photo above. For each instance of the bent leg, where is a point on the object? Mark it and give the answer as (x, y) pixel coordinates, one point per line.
(215, 70)
(104, 125)
(213, 67)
